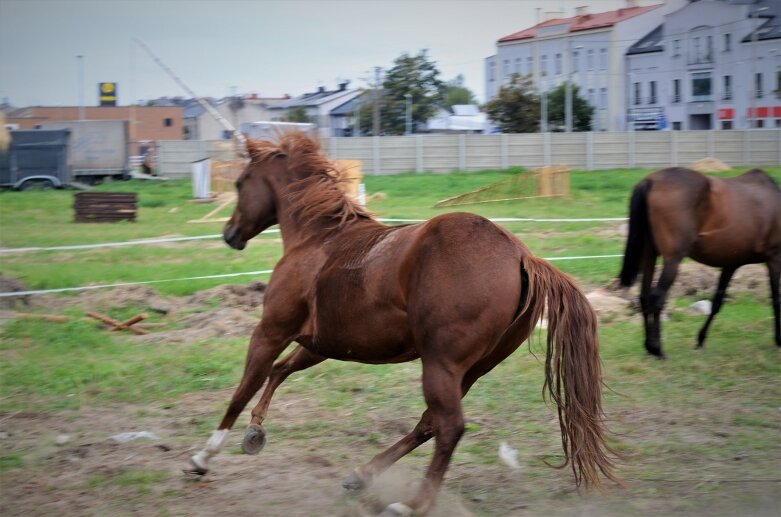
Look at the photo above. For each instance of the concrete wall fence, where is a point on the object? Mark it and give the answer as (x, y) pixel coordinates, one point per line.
(447, 153)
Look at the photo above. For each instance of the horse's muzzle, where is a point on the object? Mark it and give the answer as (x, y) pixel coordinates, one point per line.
(231, 236)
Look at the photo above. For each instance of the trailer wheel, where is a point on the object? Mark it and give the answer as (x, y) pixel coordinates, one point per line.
(37, 184)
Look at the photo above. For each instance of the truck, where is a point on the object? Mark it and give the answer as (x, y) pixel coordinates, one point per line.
(98, 148)
(36, 159)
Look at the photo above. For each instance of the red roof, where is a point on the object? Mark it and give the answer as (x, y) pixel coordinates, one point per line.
(583, 22)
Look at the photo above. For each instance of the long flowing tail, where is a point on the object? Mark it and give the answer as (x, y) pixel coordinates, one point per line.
(573, 371)
(638, 233)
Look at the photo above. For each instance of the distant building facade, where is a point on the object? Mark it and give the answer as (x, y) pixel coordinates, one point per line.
(317, 106)
(713, 64)
(199, 124)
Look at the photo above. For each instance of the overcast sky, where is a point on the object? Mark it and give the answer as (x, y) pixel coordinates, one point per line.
(269, 47)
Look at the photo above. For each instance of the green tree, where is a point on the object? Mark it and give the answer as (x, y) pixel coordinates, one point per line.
(582, 111)
(516, 109)
(457, 93)
(416, 76)
(298, 114)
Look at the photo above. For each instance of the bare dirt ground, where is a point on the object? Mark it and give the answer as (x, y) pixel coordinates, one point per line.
(73, 466)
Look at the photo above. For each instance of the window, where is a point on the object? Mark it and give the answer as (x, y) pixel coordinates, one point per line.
(603, 59)
(758, 85)
(676, 47)
(676, 90)
(603, 98)
(590, 60)
(517, 68)
(778, 122)
(576, 61)
(227, 134)
(727, 42)
(529, 65)
(709, 48)
(637, 92)
(491, 70)
(543, 65)
(591, 96)
(168, 122)
(558, 64)
(652, 92)
(676, 126)
(726, 124)
(702, 89)
(506, 68)
(727, 87)
(759, 123)
(778, 84)
(696, 50)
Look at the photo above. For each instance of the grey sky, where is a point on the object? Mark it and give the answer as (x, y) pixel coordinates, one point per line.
(270, 47)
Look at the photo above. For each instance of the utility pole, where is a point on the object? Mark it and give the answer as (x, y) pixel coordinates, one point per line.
(81, 86)
(408, 97)
(376, 121)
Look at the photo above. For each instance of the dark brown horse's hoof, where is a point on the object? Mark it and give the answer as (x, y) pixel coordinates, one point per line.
(254, 439)
(354, 482)
(195, 470)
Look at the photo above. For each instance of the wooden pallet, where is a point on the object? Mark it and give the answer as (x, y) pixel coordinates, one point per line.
(105, 207)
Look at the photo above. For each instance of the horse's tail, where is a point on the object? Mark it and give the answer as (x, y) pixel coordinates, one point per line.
(573, 370)
(639, 233)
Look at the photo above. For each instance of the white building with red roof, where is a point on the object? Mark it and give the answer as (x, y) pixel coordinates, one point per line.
(589, 49)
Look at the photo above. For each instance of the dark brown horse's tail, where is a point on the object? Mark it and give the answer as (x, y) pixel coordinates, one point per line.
(573, 370)
(639, 233)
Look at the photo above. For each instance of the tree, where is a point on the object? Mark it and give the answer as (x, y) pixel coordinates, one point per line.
(298, 114)
(457, 93)
(516, 109)
(582, 111)
(414, 75)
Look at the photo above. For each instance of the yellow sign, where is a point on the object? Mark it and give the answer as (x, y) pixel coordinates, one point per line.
(107, 94)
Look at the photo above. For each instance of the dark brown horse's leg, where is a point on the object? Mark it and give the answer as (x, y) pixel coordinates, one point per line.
(260, 356)
(718, 299)
(646, 307)
(298, 359)
(774, 268)
(653, 342)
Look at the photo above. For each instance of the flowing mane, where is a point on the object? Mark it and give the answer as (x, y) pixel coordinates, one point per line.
(318, 196)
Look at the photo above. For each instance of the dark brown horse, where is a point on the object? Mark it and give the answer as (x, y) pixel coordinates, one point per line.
(457, 292)
(724, 223)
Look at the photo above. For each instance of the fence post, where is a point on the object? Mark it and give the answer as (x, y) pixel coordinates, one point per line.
(419, 153)
(632, 150)
(590, 151)
(746, 147)
(376, 154)
(674, 148)
(462, 152)
(546, 148)
(505, 151)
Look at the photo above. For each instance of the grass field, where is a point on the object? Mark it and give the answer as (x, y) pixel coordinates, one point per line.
(698, 432)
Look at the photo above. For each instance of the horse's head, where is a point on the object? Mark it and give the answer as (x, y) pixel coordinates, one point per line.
(257, 188)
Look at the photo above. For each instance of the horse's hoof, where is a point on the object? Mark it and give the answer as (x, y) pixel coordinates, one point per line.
(354, 482)
(397, 510)
(254, 439)
(196, 469)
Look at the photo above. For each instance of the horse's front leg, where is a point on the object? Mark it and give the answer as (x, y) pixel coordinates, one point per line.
(265, 346)
(297, 360)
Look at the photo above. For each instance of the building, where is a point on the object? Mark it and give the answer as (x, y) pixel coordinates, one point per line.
(713, 64)
(317, 107)
(465, 118)
(147, 123)
(237, 110)
(587, 49)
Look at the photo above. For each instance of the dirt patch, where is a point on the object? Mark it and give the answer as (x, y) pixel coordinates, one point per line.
(709, 164)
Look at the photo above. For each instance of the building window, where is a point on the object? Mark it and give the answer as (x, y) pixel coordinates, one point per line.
(603, 59)
(727, 84)
(695, 50)
(652, 92)
(676, 126)
(676, 47)
(543, 65)
(727, 42)
(558, 64)
(637, 92)
(709, 48)
(168, 122)
(726, 124)
(778, 123)
(758, 84)
(778, 84)
(603, 98)
(506, 68)
(517, 68)
(759, 123)
(676, 90)
(576, 61)
(227, 134)
(702, 89)
(590, 59)
(491, 71)
(591, 99)
(530, 65)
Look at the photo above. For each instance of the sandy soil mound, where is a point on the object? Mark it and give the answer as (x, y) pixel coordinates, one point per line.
(709, 165)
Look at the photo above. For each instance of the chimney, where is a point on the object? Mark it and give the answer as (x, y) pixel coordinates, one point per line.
(320, 89)
(553, 15)
(580, 11)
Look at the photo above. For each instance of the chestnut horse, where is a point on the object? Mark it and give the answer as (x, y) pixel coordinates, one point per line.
(457, 292)
(724, 223)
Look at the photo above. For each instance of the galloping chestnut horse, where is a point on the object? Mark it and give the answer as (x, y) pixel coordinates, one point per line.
(457, 292)
(725, 223)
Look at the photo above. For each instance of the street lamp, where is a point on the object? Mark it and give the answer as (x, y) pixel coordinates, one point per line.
(568, 97)
(408, 96)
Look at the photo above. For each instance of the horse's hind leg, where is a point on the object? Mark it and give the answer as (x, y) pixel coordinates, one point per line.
(774, 268)
(656, 301)
(297, 360)
(260, 356)
(718, 299)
